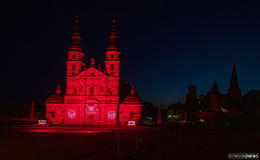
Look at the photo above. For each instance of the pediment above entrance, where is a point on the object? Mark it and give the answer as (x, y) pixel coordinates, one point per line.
(91, 101)
(92, 72)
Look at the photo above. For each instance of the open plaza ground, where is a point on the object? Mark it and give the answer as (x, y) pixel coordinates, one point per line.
(93, 143)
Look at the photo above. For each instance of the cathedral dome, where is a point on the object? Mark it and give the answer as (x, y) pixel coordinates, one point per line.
(56, 98)
(132, 98)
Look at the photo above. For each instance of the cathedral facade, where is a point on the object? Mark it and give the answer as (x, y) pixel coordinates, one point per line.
(94, 96)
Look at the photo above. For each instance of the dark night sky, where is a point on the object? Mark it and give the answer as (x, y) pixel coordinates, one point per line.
(166, 45)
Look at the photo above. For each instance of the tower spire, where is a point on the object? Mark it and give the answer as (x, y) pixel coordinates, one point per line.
(113, 37)
(75, 54)
(214, 88)
(234, 89)
(112, 61)
(76, 37)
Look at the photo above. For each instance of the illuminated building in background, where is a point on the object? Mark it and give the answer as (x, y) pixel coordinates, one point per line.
(214, 103)
(94, 96)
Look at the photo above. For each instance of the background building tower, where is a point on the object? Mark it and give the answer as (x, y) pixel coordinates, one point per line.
(234, 90)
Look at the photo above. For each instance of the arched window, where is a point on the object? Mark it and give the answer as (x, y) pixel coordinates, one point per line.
(81, 89)
(53, 114)
(101, 88)
(71, 114)
(73, 67)
(111, 115)
(112, 56)
(75, 91)
(112, 67)
(92, 91)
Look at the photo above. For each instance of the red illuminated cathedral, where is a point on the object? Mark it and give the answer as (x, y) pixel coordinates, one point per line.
(94, 96)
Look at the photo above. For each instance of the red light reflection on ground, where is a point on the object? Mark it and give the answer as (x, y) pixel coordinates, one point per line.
(47, 130)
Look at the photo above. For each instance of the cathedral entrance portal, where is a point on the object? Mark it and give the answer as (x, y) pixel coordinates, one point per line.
(91, 119)
(92, 115)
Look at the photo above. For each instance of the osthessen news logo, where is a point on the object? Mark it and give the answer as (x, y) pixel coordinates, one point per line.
(243, 156)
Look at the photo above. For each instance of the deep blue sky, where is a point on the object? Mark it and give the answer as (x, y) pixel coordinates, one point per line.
(166, 45)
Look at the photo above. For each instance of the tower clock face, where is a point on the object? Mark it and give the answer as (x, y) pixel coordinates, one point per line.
(71, 114)
(91, 108)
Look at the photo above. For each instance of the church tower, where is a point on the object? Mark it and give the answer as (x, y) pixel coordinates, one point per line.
(112, 61)
(234, 90)
(75, 54)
